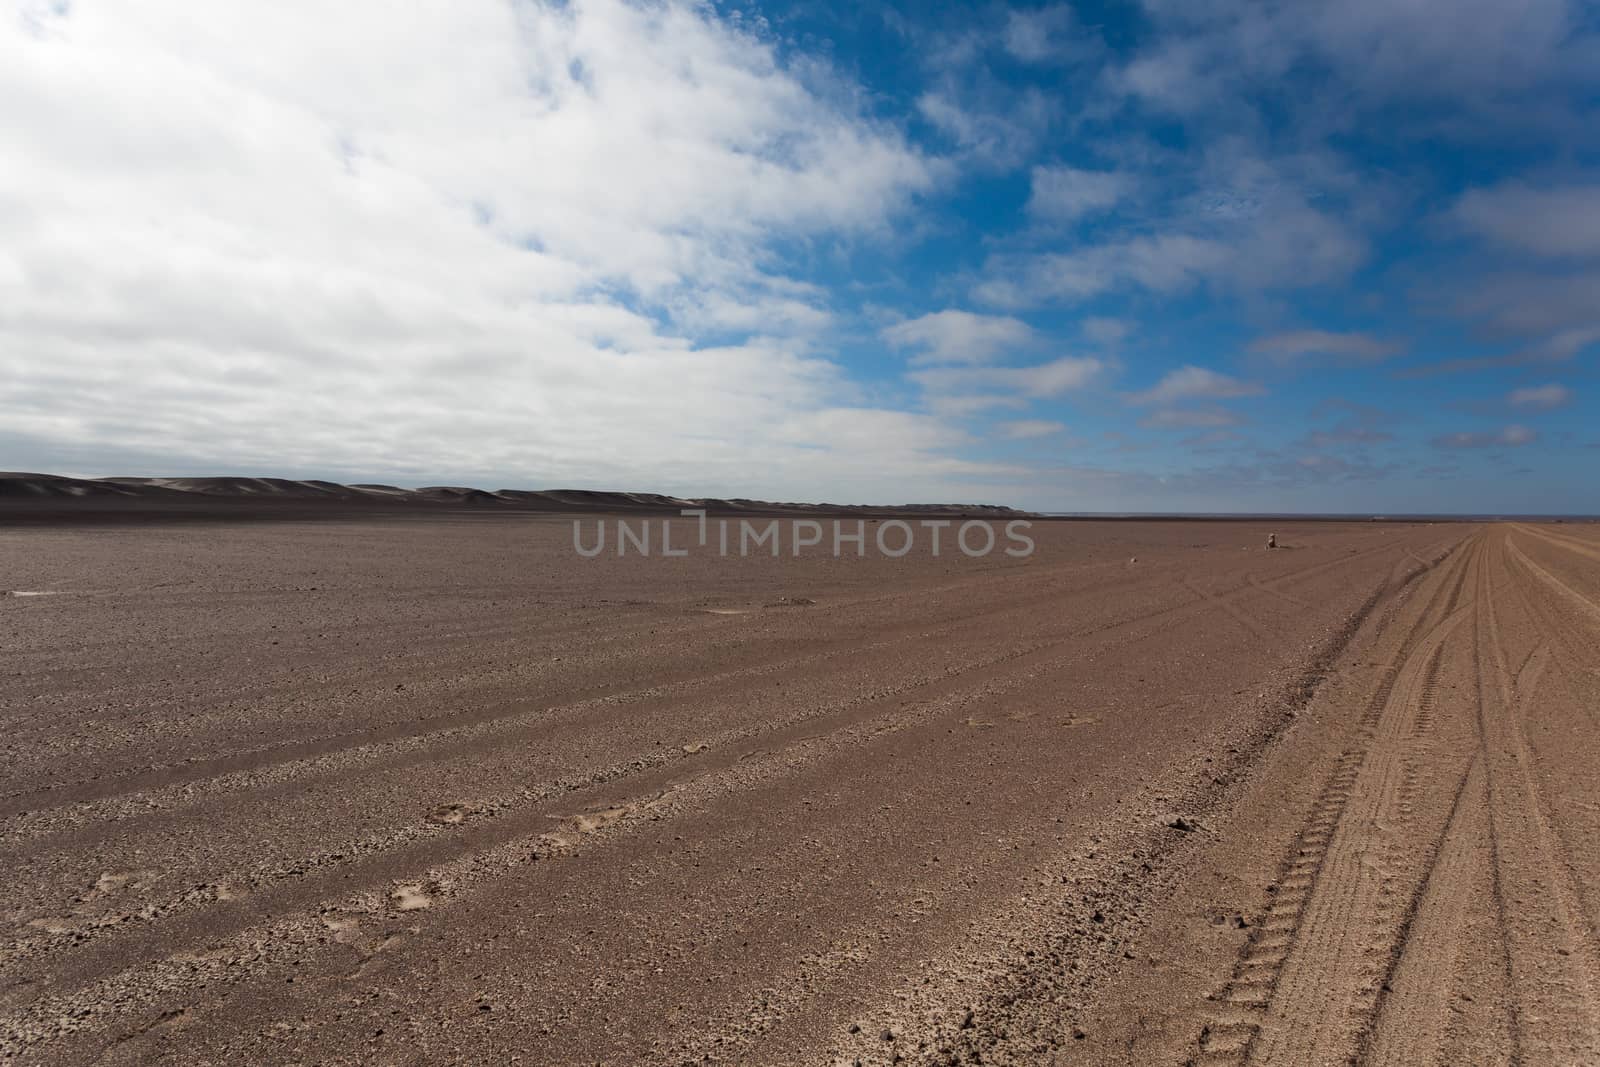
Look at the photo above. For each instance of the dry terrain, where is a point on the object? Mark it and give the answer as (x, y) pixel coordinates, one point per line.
(434, 789)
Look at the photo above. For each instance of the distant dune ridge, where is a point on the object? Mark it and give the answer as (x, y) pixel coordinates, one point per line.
(236, 493)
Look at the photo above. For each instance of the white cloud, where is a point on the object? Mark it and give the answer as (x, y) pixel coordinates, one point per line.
(1026, 429)
(1280, 243)
(1297, 345)
(1558, 313)
(476, 241)
(997, 130)
(1466, 52)
(1554, 222)
(1448, 48)
(1045, 35)
(984, 387)
(1164, 264)
(1566, 344)
(953, 336)
(1511, 436)
(1192, 383)
(1348, 433)
(962, 405)
(1181, 419)
(1065, 194)
(1540, 397)
(1056, 377)
(1103, 330)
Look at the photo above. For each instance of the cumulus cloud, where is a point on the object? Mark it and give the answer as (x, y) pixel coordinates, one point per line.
(1065, 194)
(957, 336)
(1551, 314)
(1024, 429)
(477, 241)
(1466, 52)
(1554, 315)
(1166, 263)
(1189, 419)
(1540, 397)
(1555, 221)
(1105, 330)
(963, 405)
(1191, 383)
(1298, 345)
(1045, 35)
(1056, 377)
(1284, 243)
(1346, 433)
(1040, 381)
(992, 128)
(1509, 437)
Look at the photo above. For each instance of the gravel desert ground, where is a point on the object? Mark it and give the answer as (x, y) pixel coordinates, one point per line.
(440, 790)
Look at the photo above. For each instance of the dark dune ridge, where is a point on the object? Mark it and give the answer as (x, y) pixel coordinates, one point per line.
(53, 497)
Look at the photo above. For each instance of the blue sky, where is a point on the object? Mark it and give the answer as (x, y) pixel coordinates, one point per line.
(1215, 255)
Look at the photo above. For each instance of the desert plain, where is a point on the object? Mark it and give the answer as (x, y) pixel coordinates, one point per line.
(437, 789)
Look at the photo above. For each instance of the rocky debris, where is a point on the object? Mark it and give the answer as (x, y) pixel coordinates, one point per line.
(790, 602)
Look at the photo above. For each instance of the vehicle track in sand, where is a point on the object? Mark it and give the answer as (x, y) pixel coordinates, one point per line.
(1430, 910)
(947, 621)
(950, 806)
(1339, 873)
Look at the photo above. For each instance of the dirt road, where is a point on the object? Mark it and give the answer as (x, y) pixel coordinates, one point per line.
(444, 791)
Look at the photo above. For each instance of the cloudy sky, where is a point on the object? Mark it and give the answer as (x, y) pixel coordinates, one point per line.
(1218, 255)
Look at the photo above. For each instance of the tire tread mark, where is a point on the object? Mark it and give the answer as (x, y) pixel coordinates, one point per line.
(1230, 1033)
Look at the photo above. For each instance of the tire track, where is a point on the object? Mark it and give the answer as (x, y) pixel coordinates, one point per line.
(195, 783)
(1297, 957)
(422, 733)
(1548, 962)
(355, 893)
(1572, 544)
(1554, 956)
(766, 731)
(1577, 664)
(1292, 601)
(197, 917)
(1225, 603)
(1412, 1013)
(521, 816)
(1576, 598)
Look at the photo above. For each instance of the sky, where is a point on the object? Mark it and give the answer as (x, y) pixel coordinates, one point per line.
(1170, 255)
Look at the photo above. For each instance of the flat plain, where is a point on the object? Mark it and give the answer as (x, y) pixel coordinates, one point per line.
(438, 789)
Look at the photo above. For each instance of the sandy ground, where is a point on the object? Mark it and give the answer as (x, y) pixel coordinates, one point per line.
(440, 791)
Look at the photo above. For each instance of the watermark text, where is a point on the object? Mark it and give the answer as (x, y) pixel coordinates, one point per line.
(890, 538)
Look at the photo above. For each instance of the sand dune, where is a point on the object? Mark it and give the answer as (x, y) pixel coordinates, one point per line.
(49, 496)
